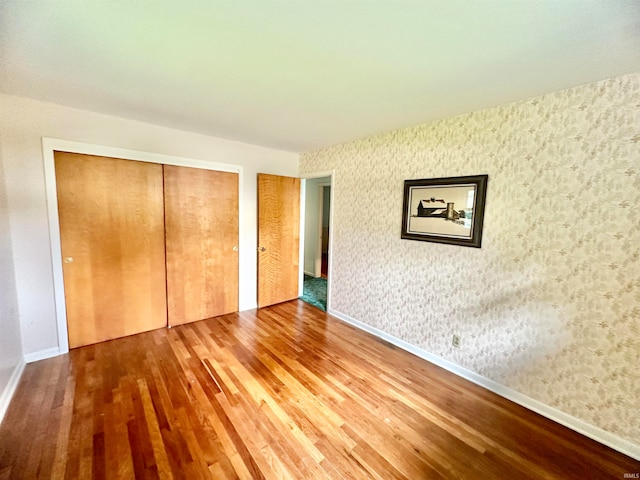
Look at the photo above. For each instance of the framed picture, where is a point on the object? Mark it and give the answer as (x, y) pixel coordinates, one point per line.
(445, 210)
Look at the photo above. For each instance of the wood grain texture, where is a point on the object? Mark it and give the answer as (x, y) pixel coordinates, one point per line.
(201, 215)
(278, 238)
(282, 392)
(112, 226)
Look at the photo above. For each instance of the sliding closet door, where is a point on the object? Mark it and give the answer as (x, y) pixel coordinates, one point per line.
(201, 215)
(112, 235)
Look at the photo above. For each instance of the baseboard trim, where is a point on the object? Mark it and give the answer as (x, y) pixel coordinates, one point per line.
(10, 389)
(41, 355)
(580, 426)
(247, 306)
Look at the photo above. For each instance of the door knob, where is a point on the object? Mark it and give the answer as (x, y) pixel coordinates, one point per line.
(235, 248)
(68, 259)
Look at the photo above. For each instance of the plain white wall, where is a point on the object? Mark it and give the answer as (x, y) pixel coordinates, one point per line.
(310, 225)
(10, 345)
(23, 124)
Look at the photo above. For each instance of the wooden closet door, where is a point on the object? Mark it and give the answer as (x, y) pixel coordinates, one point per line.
(112, 236)
(201, 215)
(278, 238)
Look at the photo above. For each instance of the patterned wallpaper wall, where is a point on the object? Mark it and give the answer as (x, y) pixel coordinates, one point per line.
(550, 305)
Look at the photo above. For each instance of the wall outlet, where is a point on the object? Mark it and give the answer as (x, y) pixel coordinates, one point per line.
(455, 341)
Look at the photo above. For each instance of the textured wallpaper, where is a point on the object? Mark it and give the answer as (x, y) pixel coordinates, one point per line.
(550, 305)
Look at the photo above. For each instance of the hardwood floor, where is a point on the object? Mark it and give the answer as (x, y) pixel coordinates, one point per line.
(283, 392)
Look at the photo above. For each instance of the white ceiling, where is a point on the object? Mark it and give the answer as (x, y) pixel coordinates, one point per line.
(302, 74)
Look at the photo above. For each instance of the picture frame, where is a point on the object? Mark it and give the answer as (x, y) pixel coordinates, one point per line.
(445, 210)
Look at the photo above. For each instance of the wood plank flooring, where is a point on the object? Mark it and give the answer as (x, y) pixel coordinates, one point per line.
(283, 392)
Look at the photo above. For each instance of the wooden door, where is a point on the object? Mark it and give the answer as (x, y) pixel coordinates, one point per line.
(201, 215)
(278, 238)
(112, 236)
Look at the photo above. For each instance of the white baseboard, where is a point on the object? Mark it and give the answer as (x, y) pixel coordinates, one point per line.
(247, 306)
(10, 389)
(580, 426)
(41, 355)
(311, 274)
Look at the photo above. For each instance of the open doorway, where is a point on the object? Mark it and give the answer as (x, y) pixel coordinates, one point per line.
(317, 221)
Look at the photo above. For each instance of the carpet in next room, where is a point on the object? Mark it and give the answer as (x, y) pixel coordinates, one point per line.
(315, 292)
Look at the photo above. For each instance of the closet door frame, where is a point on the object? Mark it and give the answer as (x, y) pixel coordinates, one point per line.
(49, 146)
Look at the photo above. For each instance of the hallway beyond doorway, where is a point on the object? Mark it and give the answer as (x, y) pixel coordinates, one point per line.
(315, 292)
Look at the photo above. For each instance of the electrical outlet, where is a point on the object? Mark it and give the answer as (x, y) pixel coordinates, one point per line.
(455, 341)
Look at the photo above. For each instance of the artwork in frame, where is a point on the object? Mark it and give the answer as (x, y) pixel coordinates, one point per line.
(445, 210)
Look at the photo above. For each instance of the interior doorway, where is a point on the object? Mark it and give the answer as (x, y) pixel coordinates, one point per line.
(317, 233)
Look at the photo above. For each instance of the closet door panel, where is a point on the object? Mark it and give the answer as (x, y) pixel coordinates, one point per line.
(201, 215)
(112, 237)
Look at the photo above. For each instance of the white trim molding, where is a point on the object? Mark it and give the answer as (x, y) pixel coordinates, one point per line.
(580, 426)
(49, 146)
(42, 355)
(10, 389)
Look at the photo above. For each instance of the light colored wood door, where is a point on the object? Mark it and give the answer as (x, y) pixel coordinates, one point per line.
(112, 236)
(278, 238)
(201, 215)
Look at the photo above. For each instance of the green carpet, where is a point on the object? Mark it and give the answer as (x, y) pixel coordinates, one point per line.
(315, 292)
